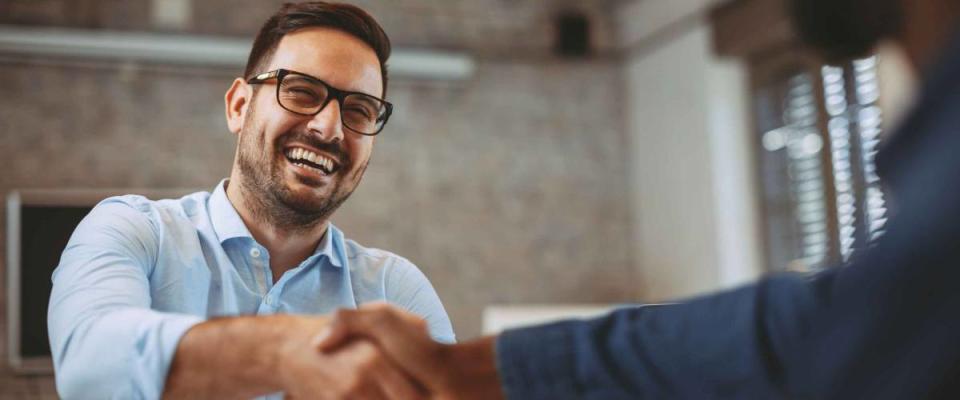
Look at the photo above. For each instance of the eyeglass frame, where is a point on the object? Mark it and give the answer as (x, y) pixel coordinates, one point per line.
(333, 93)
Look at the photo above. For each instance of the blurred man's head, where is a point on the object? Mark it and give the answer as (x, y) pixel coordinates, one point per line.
(845, 29)
(306, 112)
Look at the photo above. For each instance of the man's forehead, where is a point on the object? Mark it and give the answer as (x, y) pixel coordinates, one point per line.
(336, 57)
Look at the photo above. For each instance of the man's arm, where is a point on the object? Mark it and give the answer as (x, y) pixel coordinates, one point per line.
(884, 327)
(721, 345)
(105, 340)
(244, 357)
(238, 357)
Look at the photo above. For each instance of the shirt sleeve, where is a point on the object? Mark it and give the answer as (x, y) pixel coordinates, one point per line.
(105, 340)
(701, 349)
(408, 288)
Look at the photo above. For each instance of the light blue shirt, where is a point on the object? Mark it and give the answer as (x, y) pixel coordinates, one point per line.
(137, 274)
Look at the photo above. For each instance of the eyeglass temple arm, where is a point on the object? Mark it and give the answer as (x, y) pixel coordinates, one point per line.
(264, 76)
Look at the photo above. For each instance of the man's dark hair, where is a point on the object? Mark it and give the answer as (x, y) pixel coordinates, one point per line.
(845, 29)
(294, 16)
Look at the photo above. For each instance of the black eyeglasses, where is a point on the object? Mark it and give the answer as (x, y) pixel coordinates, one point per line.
(305, 95)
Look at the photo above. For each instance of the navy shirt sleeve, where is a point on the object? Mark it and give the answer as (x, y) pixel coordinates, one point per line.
(713, 347)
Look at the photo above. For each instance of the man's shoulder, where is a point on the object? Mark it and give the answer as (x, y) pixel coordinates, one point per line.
(378, 266)
(159, 212)
(356, 252)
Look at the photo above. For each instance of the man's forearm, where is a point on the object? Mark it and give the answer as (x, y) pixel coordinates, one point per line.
(235, 357)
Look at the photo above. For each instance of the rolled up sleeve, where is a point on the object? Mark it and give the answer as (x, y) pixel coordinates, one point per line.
(105, 340)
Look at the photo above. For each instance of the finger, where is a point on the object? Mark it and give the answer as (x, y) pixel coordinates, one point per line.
(336, 332)
(346, 324)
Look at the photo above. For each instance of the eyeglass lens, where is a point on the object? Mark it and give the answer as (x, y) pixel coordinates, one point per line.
(303, 95)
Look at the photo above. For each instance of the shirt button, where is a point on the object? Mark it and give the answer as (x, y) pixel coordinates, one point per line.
(255, 252)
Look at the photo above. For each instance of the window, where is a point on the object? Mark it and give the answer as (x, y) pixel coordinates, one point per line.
(818, 132)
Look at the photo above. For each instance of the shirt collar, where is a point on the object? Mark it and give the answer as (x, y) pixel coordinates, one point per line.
(228, 225)
(226, 222)
(331, 246)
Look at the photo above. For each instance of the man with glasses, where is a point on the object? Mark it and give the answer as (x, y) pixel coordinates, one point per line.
(148, 295)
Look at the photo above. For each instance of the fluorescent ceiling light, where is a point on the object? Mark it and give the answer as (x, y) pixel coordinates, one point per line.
(197, 50)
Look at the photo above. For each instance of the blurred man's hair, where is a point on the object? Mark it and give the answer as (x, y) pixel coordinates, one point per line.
(845, 29)
(295, 16)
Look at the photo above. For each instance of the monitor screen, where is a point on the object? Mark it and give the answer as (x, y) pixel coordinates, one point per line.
(44, 232)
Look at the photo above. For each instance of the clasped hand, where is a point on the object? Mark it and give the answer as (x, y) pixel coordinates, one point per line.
(381, 352)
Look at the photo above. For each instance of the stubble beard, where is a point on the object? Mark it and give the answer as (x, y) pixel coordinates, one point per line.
(266, 194)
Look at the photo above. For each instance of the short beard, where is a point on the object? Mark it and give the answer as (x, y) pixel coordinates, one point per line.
(266, 196)
(844, 30)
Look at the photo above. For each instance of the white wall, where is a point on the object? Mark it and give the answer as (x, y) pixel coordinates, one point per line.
(694, 197)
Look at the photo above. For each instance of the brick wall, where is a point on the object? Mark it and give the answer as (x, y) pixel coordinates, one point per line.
(509, 187)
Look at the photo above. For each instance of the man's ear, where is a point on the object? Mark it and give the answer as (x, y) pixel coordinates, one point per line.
(237, 100)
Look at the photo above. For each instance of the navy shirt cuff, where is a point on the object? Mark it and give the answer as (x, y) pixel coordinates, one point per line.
(538, 362)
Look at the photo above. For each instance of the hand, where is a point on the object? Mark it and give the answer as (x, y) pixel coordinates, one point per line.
(464, 371)
(357, 370)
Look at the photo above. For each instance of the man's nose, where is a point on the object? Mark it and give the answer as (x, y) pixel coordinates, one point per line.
(327, 123)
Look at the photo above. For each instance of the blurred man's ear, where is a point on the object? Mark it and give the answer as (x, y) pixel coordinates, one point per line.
(237, 100)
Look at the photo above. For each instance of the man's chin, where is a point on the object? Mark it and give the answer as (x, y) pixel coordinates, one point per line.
(306, 191)
(303, 202)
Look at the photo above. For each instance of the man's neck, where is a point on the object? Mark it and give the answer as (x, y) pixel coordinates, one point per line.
(928, 26)
(287, 249)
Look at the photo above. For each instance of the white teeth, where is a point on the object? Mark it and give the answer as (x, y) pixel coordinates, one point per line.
(304, 154)
(302, 165)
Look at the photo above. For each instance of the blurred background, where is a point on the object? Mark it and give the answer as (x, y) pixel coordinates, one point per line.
(551, 152)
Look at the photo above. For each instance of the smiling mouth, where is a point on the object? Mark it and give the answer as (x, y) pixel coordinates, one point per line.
(307, 159)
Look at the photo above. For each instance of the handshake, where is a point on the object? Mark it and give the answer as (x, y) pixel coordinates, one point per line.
(382, 352)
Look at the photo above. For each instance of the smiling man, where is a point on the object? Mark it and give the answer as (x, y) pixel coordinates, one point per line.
(220, 294)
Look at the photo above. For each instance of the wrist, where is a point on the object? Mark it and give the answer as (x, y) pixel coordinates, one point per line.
(472, 370)
(290, 337)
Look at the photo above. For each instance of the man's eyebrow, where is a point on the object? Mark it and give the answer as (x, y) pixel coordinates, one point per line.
(318, 80)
